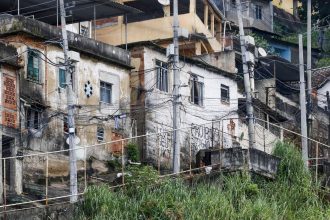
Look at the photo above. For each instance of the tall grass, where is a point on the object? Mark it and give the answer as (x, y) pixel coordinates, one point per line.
(236, 196)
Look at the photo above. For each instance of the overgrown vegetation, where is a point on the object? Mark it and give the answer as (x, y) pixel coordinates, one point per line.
(236, 196)
(133, 152)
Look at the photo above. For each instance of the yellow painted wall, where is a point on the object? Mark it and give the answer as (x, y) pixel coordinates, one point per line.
(155, 29)
(287, 5)
(284, 4)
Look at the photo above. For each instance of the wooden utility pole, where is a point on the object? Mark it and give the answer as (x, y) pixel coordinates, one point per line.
(70, 102)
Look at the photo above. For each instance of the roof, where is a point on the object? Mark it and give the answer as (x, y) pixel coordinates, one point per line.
(284, 70)
(194, 61)
(8, 55)
(320, 77)
(83, 10)
(287, 20)
(19, 24)
(262, 106)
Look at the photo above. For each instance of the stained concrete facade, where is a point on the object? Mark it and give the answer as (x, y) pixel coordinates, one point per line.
(202, 19)
(10, 169)
(41, 101)
(256, 13)
(157, 107)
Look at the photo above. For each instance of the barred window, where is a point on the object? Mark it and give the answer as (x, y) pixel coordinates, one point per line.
(100, 134)
(162, 76)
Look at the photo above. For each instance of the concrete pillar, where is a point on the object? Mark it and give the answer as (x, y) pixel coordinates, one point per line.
(212, 25)
(16, 183)
(192, 7)
(198, 46)
(206, 15)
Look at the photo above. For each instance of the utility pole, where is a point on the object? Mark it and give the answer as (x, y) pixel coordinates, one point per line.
(328, 111)
(303, 124)
(176, 87)
(309, 67)
(70, 102)
(247, 82)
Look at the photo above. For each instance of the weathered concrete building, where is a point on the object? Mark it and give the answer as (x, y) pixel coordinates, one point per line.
(202, 19)
(38, 115)
(208, 94)
(256, 13)
(9, 119)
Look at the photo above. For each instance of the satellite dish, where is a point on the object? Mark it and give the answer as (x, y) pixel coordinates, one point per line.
(262, 52)
(164, 2)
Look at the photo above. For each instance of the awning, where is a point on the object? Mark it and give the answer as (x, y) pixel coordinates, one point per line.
(77, 10)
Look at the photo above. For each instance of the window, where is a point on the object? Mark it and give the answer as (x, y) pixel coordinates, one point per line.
(100, 134)
(65, 125)
(34, 65)
(233, 3)
(84, 30)
(258, 12)
(61, 77)
(225, 94)
(33, 118)
(196, 90)
(162, 76)
(105, 92)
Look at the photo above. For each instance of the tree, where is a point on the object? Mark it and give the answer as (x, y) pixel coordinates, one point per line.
(320, 10)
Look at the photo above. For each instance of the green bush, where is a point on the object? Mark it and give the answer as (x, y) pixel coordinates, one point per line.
(234, 196)
(133, 152)
(114, 165)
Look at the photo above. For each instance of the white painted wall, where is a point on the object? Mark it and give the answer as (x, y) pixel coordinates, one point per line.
(159, 116)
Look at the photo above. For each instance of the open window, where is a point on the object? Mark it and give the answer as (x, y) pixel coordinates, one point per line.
(196, 89)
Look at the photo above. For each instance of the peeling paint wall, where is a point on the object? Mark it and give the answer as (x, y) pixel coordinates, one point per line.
(47, 95)
(158, 109)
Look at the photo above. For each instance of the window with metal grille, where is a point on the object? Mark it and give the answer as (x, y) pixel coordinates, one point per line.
(225, 96)
(105, 92)
(34, 65)
(100, 134)
(196, 90)
(162, 76)
(258, 12)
